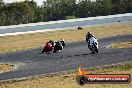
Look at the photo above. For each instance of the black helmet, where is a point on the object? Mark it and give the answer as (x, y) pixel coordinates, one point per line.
(62, 40)
(50, 40)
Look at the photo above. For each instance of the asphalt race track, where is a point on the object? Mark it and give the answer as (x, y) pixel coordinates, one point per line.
(74, 54)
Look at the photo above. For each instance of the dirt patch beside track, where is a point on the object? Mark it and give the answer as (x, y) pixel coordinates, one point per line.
(5, 67)
(122, 45)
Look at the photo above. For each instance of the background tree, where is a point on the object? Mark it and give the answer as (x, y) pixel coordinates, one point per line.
(28, 12)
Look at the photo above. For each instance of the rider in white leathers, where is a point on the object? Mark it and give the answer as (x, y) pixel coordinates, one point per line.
(90, 39)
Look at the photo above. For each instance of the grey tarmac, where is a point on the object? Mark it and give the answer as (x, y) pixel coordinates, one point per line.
(73, 55)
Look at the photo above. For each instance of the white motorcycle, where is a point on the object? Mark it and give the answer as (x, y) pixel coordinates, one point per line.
(93, 45)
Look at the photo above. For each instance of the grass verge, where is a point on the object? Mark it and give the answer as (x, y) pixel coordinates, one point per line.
(28, 41)
(5, 68)
(68, 79)
(122, 45)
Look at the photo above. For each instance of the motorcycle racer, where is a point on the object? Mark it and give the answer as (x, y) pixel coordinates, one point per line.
(47, 47)
(52, 42)
(92, 41)
(63, 42)
(89, 35)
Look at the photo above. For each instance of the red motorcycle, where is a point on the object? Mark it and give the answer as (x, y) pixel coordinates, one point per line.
(48, 47)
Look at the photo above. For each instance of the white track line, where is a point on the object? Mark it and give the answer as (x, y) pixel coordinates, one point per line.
(30, 32)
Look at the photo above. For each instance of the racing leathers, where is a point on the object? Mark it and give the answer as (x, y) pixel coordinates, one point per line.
(90, 39)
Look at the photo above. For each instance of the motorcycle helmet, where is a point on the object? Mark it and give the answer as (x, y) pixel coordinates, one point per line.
(50, 41)
(62, 40)
(89, 33)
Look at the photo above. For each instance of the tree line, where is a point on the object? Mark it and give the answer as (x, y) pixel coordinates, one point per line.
(29, 12)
